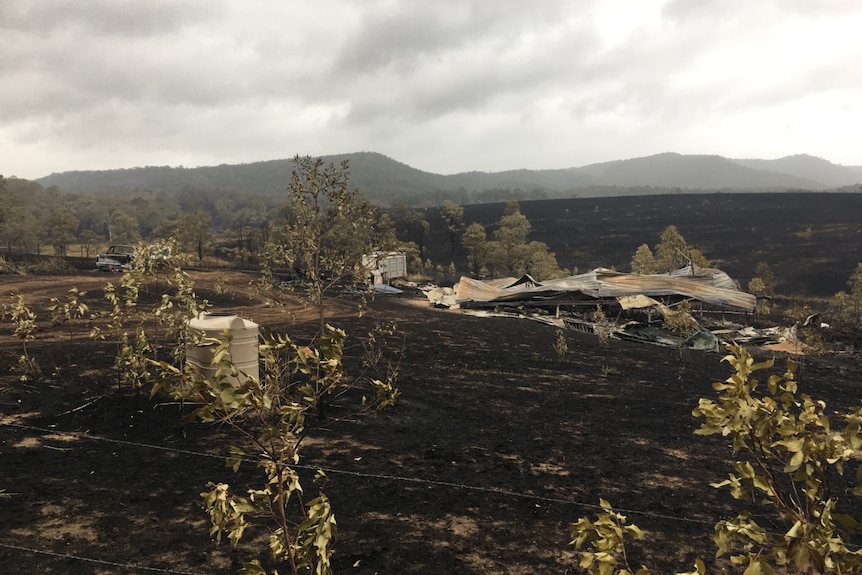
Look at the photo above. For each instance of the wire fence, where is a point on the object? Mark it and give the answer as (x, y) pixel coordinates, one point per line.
(329, 471)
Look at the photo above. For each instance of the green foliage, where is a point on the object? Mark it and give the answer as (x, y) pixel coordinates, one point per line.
(755, 286)
(789, 466)
(602, 326)
(509, 253)
(561, 347)
(453, 218)
(758, 288)
(679, 320)
(762, 285)
(275, 414)
(475, 240)
(789, 455)
(24, 320)
(798, 312)
(670, 254)
(124, 229)
(643, 262)
(193, 234)
(609, 370)
(840, 309)
(855, 283)
(601, 543)
(325, 232)
(155, 267)
(845, 309)
(66, 312)
(511, 234)
(62, 228)
(766, 276)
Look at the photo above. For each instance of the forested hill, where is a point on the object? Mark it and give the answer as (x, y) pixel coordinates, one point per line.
(385, 181)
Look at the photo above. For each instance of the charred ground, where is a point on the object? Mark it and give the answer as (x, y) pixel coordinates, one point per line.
(496, 446)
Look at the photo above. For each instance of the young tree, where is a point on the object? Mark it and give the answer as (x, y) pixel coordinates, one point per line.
(511, 233)
(453, 218)
(673, 252)
(62, 227)
(475, 240)
(18, 230)
(124, 229)
(193, 233)
(385, 237)
(767, 278)
(327, 229)
(410, 226)
(855, 283)
(541, 263)
(790, 461)
(757, 287)
(87, 238)
(643, 262)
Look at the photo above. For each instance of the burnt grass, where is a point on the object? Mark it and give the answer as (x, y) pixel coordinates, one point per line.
(496, 446)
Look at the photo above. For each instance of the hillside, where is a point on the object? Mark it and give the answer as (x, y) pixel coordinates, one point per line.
(385, 181)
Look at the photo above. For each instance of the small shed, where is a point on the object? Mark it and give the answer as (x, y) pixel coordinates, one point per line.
(385, 266)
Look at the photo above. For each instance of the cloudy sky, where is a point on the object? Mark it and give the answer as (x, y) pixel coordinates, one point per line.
(444, 85)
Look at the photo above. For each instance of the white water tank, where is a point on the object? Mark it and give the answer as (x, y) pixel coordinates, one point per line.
(243, 347)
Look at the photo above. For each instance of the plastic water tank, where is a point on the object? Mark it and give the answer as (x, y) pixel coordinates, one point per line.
(243, 347)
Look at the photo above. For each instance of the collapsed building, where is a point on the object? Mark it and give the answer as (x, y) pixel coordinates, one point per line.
(631, 306)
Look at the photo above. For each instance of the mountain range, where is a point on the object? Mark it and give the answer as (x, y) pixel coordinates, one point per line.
(384, 180)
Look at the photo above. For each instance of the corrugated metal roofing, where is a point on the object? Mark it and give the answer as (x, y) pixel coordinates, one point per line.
(710, 286)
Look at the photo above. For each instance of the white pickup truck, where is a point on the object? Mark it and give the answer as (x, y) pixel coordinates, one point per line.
(117, 258)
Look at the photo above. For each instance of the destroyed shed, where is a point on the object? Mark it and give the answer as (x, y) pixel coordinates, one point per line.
(711, 288)
(627, 306)
(384, 267)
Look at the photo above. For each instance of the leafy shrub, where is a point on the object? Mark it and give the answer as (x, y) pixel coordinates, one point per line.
(790, 466)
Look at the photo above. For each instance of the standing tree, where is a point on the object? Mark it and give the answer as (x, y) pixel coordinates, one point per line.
(453, 217)
(18, 229)
(410, 226)
(62, 226)
(475, 240)
(512, 233)
(326, 230)
(788, 468)
(767, 278)
(855, 283)
(671, 253)
(643, 262)
(124, 229)
(193, 233)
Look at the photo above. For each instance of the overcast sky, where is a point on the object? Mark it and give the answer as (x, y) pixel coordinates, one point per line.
(442, 85)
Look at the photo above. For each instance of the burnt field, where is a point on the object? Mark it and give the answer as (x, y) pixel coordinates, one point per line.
(812, 241)
(496, 446)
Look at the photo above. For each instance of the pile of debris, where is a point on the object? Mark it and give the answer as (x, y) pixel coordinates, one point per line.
(646, 308)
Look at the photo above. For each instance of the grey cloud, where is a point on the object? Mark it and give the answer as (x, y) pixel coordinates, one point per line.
(421, 65)
(120, 18)
(214, 79)
(410, 34)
